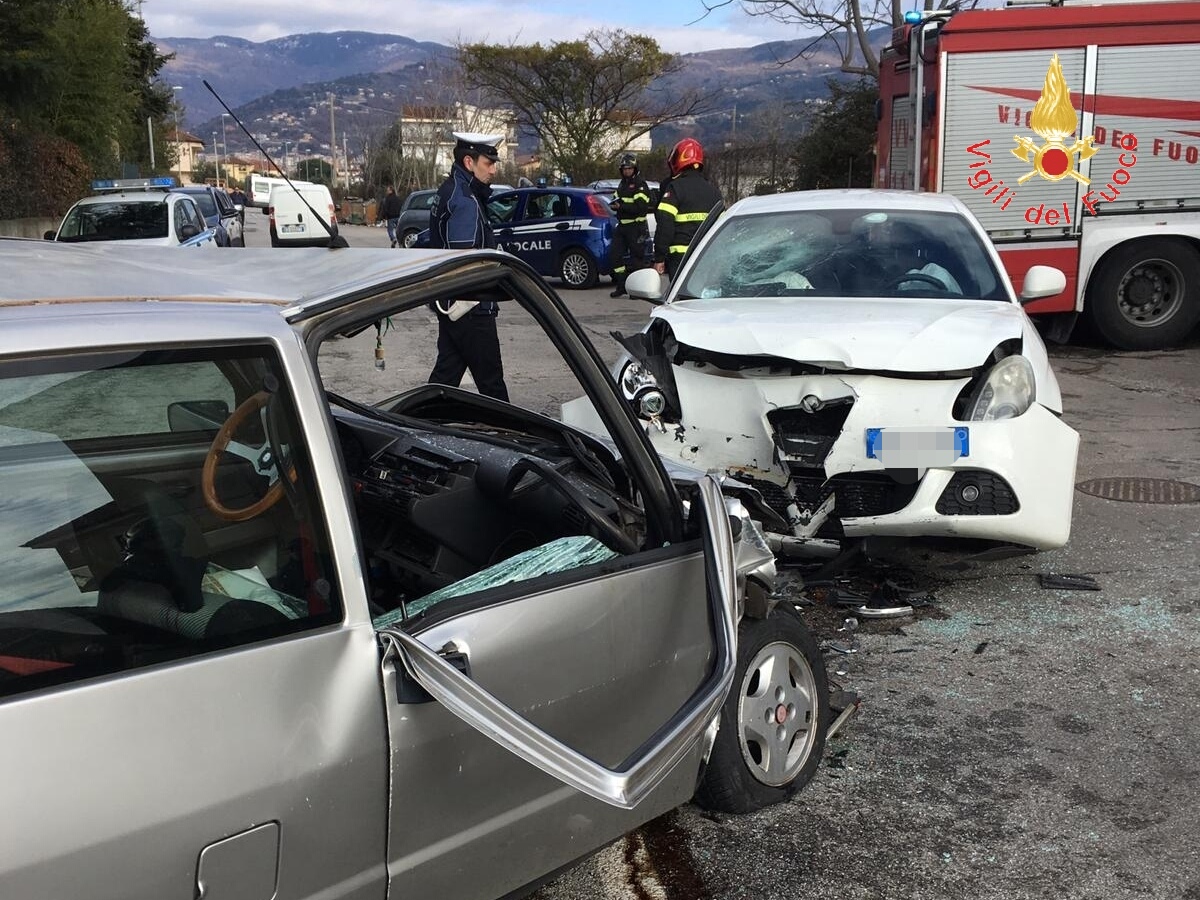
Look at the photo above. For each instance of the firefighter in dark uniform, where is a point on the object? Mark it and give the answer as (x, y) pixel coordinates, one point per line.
(458, 221)
(686, 201)
(631, 203)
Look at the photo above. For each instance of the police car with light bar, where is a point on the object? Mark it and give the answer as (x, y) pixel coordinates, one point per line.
(138, 211)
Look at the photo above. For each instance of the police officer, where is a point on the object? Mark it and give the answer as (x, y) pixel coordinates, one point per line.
(631, 203)
(458, 221)
(686, 201)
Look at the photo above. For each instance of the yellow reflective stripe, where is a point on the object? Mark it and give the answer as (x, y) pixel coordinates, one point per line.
(679, 248)
(668, 209)
(633, 221)
(641, 196)
(691, 217)
(618, 270)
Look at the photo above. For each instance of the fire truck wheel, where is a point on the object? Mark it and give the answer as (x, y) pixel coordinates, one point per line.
(1146, 294)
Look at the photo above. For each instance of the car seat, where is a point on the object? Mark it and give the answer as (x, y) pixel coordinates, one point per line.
(161, 581)
(561, 208)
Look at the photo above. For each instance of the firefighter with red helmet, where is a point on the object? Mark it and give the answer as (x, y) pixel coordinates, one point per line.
(687, 199)
(631, 203)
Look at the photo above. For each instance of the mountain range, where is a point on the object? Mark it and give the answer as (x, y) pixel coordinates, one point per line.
(281, 88)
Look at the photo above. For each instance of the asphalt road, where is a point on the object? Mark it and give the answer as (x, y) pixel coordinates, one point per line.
(1013, 741)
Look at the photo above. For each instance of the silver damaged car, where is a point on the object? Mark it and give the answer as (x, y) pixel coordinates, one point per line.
(263, 638)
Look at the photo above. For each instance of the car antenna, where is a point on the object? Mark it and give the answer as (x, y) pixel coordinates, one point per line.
(336, 241)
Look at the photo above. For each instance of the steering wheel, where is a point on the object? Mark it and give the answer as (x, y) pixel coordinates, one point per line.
(261, 458)
(610, 535)
(916, 276)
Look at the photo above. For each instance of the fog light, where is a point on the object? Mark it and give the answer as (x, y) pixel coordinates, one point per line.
(652, 403)
(968, 493)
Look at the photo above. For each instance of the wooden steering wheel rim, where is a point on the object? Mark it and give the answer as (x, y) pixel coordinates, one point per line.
(208, 476)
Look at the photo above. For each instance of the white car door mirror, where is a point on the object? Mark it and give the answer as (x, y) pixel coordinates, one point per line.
(645, 284)
(1042, 281)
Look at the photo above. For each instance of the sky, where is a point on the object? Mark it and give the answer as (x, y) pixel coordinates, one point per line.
(678, 25)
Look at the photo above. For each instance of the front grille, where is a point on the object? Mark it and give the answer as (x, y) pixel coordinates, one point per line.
(806, 437)
(995, 496)
(858, 494)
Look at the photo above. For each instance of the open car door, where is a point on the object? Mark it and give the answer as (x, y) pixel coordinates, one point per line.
(566, 714)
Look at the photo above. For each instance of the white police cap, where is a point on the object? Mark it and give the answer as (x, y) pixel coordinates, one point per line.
(478, 143)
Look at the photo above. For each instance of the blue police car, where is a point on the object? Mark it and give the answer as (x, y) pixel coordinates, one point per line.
(563, 232)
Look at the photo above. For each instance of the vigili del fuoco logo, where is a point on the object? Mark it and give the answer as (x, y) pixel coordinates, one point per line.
(1053, 120)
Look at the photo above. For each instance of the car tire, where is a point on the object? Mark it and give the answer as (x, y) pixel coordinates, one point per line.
(1145, 295)
(409, 238)
(780, 672)
(578, 270)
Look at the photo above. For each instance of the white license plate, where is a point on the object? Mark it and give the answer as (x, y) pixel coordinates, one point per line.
(291, 229)
(917, 448)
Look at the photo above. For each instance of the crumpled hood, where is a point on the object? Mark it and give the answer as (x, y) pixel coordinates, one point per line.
(908, 335)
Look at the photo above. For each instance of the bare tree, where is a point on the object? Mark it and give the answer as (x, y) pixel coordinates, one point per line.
(847, 23)
(584, 99)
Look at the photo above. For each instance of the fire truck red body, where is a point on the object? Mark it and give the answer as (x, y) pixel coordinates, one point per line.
(1119, 214)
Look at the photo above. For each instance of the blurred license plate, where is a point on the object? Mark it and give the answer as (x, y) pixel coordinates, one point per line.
(917, 448)
(291, 229)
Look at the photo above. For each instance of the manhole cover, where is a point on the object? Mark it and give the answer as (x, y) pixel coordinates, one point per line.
(1141, 490)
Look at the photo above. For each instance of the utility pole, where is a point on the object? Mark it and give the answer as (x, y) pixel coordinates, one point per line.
(346, 161)
(332, 145)
(217, 154)
(150, 131)
(178, 142)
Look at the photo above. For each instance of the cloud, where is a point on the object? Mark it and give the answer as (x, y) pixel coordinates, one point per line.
(447, 22)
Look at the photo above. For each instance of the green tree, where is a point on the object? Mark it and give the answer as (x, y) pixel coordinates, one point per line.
(314, 169)
(27, 53)
(585, 99)
(839, 148)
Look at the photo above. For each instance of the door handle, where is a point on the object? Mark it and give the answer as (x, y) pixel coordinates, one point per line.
(563, 226)
(505, 232)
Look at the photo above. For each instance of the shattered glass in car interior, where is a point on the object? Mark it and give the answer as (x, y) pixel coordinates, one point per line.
(844, 253)
(560, 555)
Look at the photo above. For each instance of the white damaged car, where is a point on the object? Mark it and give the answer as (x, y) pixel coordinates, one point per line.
(860, 357)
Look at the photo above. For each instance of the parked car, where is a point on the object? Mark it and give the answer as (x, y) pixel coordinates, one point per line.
(219, 213)
(861, 358)
(295, 215)
(261, 186)
(259, 639)
(414, 216)
(136, 212)
(562, 232)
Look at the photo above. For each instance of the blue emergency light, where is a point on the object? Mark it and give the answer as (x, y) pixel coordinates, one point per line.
(113, 184)
(913, 17)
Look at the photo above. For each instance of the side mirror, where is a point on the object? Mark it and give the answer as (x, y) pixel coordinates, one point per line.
(187, 232)
(1042, 281)
(645, 284)
(48, 235)
(240, 207)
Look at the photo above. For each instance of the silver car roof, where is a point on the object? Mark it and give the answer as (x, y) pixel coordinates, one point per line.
(296, 278)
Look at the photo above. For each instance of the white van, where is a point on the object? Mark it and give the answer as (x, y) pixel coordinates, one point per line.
(260, 189)
(292, 222)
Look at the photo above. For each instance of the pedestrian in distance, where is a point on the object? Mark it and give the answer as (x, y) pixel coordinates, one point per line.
(389, 211)
(687, 200)
(467, 337)
(631, 203)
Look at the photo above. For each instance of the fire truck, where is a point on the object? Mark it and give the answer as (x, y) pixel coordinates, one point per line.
(1073, 134)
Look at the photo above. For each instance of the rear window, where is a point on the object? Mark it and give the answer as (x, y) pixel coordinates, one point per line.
(115, 221)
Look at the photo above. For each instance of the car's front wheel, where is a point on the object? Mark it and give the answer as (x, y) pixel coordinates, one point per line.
(773, 724)
(578, 270)
(409, 238)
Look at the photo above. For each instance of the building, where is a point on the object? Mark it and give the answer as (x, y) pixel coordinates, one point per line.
(189, 152)
(425, 134)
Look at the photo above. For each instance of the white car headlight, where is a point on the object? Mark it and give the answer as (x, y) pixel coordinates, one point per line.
(1007, 392)
(641, 389)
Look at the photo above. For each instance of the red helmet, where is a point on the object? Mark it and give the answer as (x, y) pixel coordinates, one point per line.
(687, 153)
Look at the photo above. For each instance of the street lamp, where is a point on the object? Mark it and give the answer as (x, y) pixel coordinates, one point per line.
(178, 142)
(286, 144)
(217, 154)
(224, 145)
